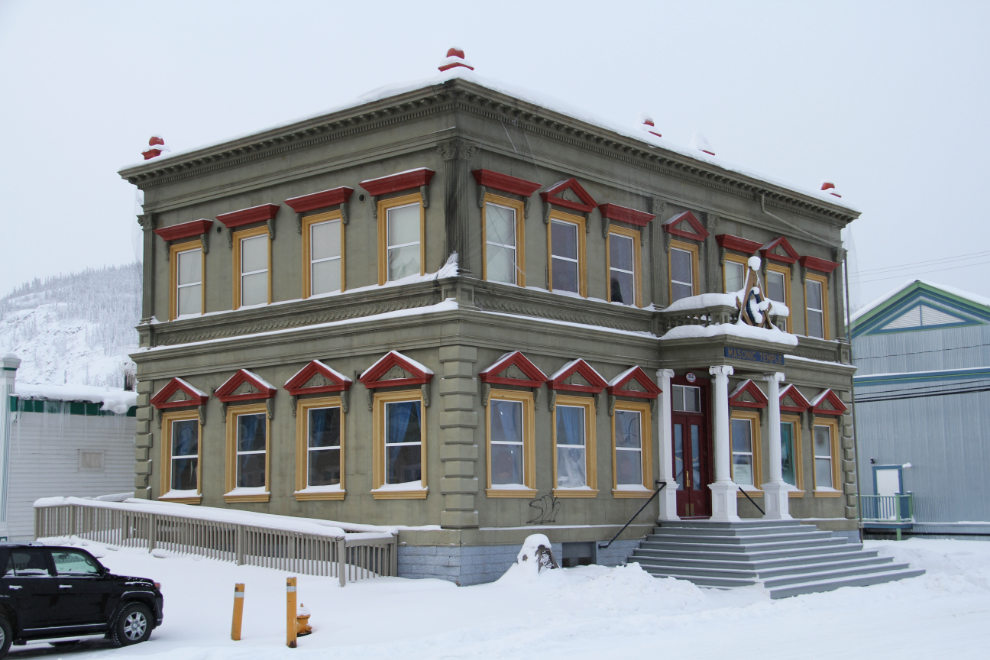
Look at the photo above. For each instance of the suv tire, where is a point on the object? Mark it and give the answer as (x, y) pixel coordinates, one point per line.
(133, 625)
(7, 636)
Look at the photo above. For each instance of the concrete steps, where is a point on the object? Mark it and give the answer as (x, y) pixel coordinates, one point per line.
(785, 556)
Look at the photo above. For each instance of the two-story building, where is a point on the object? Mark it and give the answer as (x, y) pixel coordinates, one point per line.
(449, 304)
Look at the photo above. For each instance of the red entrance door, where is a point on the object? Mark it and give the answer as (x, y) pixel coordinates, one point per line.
(692, 464)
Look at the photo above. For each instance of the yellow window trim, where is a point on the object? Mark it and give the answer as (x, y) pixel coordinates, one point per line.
(754, 417)
(303, 407)
(383, 207)
(798, 454)
(687, 247)
(230, 473)
(237, 238)
(173, 276)
(833, 425)
(166, 469)
(519, 208)
(529, 445)
(378, 445)
(825, 320)
(736, 259)
(307, 273)
(582, 250)
(590, 454)
(643, 408)
(637, 261)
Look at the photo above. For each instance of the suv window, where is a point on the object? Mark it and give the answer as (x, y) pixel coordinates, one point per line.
(24, 562)
(68, 562)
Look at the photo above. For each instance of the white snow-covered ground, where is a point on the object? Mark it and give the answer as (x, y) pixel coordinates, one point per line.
(589, 612)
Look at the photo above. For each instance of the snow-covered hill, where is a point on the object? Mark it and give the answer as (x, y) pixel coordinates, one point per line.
(75, 328)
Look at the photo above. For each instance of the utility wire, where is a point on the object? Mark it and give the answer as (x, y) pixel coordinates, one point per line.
(920, 387)
(940, 350)
(922, 396)
(936, 270)
(971, 255)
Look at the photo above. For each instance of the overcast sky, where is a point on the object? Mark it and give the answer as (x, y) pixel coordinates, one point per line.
(887, 99)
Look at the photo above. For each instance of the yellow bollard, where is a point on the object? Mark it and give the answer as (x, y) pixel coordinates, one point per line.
(235, 626)
(290, 612)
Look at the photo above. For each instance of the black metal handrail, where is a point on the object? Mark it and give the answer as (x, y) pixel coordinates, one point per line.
(743, 491)
(602, 546)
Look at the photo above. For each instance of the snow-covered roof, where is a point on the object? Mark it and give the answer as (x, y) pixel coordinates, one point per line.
(618, 379)
(112, 399)
(539, 99)
(418, 365)
(336, 373)
(971, 297)
(192, 388)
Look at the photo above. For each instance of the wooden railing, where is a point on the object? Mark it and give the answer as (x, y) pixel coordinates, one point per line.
(887, 508)
(345, 556)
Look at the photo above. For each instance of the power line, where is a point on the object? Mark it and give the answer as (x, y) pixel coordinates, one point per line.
(920, 387)
(923, 396)
(936, 270)
(939, 350)
(923, 263)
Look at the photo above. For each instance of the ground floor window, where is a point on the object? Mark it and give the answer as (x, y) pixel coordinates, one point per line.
(631, 456)
(511, 431)
(319, 449)
(399, 445)
(575, 471)
(825, 442)
(247, 453)
(181, 451)
(745, 429)
(790, 451)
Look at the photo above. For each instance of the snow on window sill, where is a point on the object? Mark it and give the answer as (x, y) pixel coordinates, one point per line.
(256, 494)
(631, 491)
(334, 492)
(511, 490)
(191, 496)
(411, 490)
(578, 491)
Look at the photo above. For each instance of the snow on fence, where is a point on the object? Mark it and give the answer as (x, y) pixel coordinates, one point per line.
(284, 543)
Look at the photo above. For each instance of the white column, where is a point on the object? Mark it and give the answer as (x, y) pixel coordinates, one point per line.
(668, 496)
(10, 363)
(723, 490)
(775, 496)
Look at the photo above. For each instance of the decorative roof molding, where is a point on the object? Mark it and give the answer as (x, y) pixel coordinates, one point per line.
(738, 397)
(185, 230)
(699, 233)
(418, 373)
(398, 182)
(578, 367)
(320, 200)
(744, 245)
(821, 265)
(261, 213)
(505, 183)
(262, 389)
(196, 397)
(490, 375)
(625, 214)
(616, 385)
(792, 394)
(551, 196)
(297, 384)
(767, 251)
(819, 405)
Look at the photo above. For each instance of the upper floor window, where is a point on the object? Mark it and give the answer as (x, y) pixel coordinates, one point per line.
(402, 237)
(816, 310)
(683, 270)
(734, 273)
(252, 268)
(323, 254)
(188, 273)
(504, 258)
(779, 288)
(566, 248)
(624, 266)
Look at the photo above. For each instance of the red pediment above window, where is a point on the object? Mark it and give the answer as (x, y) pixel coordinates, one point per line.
(635, 383)
(398, 182)
(686, 225)
(513, 369)
(505, 183)
(744, 245)
(625, 214)
(791, 400)
(394, 370)
(558, 194)
(320, 200)
(244, 386)
(821, 265)
(577, 376)
(260, 213)
(316, 378)
(748, 395)
(779, 250)
(177, 393)
(185, 230)
(827, 403)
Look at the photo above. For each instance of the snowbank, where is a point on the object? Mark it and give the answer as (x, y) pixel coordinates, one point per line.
(112, 399)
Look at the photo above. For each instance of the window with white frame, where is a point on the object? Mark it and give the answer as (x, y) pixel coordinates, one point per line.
(185, 454)
(323, 446)
(251, 450)
(254, 270)
(815, 303)
(686, 398)
(681, 274)
(403, 246)
(565, 266)
(500, 243)
(622, 269)
(403, 442)
(628, 448)
(189, 282)
(742, 452)
(325, 257)
(823, 457)
(571, 446)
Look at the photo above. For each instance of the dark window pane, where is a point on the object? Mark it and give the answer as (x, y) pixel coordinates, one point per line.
(570, 425)
(185, 437)
(507, 465)
(564, 239)
(627, 429)
(324, 427)
(787, 459)
(679, 291)
(402, 422)
(251, 471)
(679, 456)
(620, 252)
(814, 295)
(742, 435)
(628, 468)
(565, 276)
(623, 288)
(775, 287)
(324, 467)
(184, 473)
(680, 266)
(696, 458)
(403, 464)
(27, 563)
(816, 324)
(506, 421)
(251, 432)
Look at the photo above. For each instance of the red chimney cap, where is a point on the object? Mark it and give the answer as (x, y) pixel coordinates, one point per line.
(157, 146)
(455, 58)
(829, 186)
(648, 124)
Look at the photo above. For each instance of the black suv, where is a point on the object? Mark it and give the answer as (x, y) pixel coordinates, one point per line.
(49, 592)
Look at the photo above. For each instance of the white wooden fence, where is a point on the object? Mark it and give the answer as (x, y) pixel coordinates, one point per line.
(348, 557)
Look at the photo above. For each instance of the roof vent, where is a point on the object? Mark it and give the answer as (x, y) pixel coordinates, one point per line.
(156, 145)
(701, 144)
(454, 59)
(830, 187)
(649, 126)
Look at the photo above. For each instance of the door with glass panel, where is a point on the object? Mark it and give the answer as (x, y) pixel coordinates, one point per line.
(692, 463)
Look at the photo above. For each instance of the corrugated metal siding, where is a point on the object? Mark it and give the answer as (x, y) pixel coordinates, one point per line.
(922, 350)
(45, 461)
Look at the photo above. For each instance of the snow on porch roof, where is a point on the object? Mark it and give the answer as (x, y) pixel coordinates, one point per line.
(631, 131)
(114, 400)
